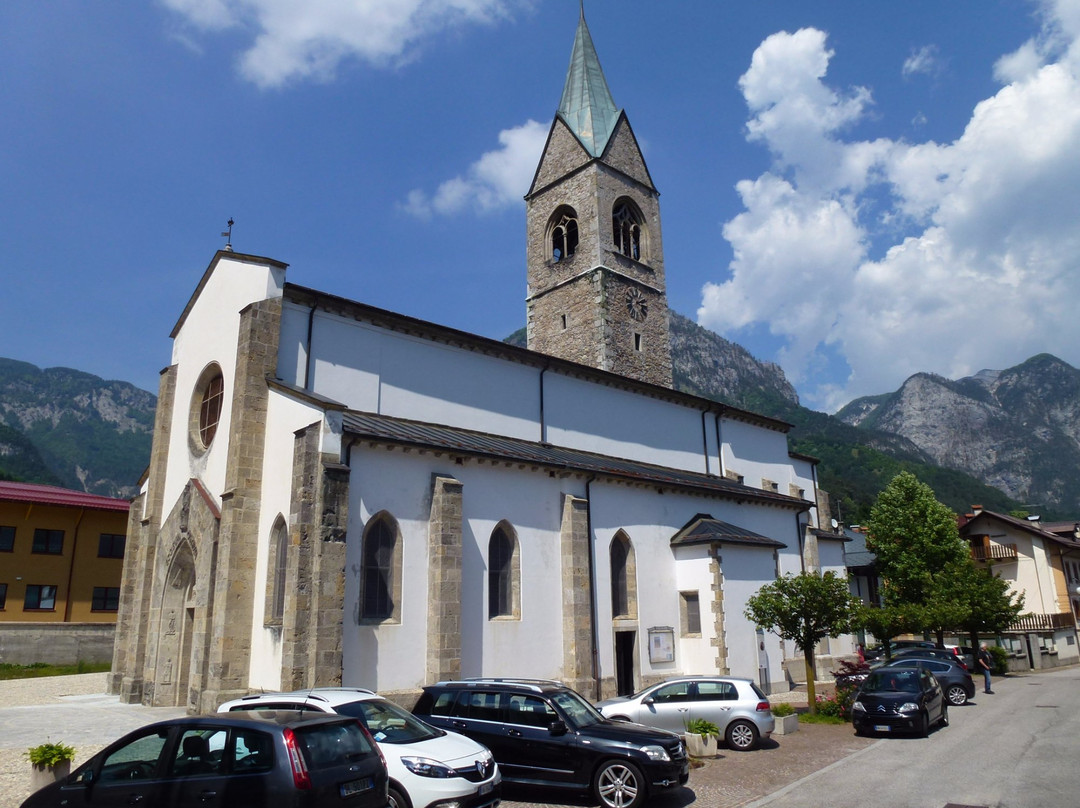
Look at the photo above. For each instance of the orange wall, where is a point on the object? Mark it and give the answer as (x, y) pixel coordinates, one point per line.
(82, 529)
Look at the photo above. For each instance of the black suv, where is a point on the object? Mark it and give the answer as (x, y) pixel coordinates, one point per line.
(265, 759)
(543, 733)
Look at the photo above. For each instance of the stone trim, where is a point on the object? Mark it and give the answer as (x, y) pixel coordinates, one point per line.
(719, 640)
(576, 601)
(445, 533)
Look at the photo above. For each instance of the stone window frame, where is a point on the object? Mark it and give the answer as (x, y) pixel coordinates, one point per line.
(795, 491)
(509, 575)
(207, 408)
(770, 485)
(629, 236)
(734, 476)
(623, 569)
(563, 234)
(685, 612)
(277, 560)
(390, 573)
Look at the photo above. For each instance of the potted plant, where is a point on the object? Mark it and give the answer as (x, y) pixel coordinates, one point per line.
(49, 762)
(701, 737)
(787, 720)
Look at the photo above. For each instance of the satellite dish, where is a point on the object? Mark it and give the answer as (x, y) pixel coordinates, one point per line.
(835, 524)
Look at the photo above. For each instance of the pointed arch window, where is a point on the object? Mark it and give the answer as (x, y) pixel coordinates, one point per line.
(563, 233)
(276, 571)
(626, 226)
(623, 577)
(380, 571)
(504, 574)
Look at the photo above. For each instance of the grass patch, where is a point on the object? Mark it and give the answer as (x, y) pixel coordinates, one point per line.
(807, 718)
(9, 671)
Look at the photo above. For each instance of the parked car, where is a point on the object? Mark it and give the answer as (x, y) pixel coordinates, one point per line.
(899, 698)
(954, 679)
(965, 653)
(878, 651)
(427, 765)
(937, 653)
(737, 706)
(267, 759)
(544, 733)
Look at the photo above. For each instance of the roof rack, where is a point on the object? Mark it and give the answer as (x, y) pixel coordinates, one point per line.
(532, 684)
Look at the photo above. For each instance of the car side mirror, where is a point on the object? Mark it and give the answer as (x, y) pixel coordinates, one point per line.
(648, 700)
(558, 727)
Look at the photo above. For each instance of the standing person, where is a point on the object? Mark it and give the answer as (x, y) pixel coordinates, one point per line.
(986, 663)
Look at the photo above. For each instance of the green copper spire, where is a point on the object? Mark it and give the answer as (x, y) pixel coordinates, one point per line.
(587, 106)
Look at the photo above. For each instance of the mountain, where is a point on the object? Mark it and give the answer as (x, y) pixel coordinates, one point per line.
(1016, 429)
(856, 463)
(64, 427)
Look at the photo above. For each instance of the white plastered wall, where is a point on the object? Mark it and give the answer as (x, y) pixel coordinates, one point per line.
(209, 334)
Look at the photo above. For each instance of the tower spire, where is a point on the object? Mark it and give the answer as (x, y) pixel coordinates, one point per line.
(587, 106)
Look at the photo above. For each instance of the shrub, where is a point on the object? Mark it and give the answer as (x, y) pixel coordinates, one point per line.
(1001, 659)
(702, 727)
(50, 754)
(782, 709)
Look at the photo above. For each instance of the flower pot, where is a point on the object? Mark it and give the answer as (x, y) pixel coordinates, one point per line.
(41, 775)
(786, 724)
(700, 746)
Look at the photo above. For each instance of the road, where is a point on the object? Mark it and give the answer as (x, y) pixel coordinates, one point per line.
(1018, 748)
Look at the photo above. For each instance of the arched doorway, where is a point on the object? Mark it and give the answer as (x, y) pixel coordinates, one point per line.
(175, 631)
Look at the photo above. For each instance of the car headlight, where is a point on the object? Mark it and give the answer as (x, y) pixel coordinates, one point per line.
(858, 707)
(909, 707)
(656, 753)
(426, 767)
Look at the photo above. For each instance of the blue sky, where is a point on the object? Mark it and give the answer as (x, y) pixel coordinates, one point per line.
(852, 191)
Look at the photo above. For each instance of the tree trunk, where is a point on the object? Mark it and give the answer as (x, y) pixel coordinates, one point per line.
(811, 691)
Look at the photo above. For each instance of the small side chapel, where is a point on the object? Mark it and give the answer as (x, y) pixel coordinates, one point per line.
(340, 494)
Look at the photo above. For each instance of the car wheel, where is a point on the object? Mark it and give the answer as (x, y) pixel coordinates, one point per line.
(944, 715)
(922, 727)
(956, 695)
(397, 799)
(619, 784)
(741, 736)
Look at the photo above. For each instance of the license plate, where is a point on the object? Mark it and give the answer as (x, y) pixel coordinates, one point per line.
(357, 786)
(486, 788)
(881, 727)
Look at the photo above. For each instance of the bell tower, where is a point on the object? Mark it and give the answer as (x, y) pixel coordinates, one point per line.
(596, 292)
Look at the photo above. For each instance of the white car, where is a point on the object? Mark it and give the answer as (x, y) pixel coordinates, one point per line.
(429, 767)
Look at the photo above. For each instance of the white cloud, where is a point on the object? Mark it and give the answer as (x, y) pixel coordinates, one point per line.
(497, 180)
(986, 269)
(297, 40)
(924, 61)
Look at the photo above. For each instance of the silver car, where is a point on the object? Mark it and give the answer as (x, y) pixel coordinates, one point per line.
(737, 706)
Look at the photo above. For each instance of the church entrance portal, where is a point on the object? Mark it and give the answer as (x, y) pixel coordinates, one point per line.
(624, 662)
(175, 632)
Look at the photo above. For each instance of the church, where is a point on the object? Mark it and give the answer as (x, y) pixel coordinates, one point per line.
(340, 494)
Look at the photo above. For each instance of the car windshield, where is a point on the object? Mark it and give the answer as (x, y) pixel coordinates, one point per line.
(897, 681)
(389, 723)
(579, 713)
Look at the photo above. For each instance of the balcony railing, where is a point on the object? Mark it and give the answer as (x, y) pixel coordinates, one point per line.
(994, 552)
(1043, 622)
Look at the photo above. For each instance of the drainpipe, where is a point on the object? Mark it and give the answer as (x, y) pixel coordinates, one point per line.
(705, 439)
(720, 442)
(71, 566)
(307, 348)
(593, 620)
(543, 422)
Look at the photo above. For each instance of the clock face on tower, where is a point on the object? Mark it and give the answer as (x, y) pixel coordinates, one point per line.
(637, 304)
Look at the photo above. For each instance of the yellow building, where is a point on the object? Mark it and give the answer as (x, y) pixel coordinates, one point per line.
(61, 554)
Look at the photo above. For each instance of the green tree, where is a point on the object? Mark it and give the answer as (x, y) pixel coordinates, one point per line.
(992, 608)
(921, 558)
(805, 609)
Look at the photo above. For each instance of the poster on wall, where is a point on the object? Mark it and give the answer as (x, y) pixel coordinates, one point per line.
(662, 644)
